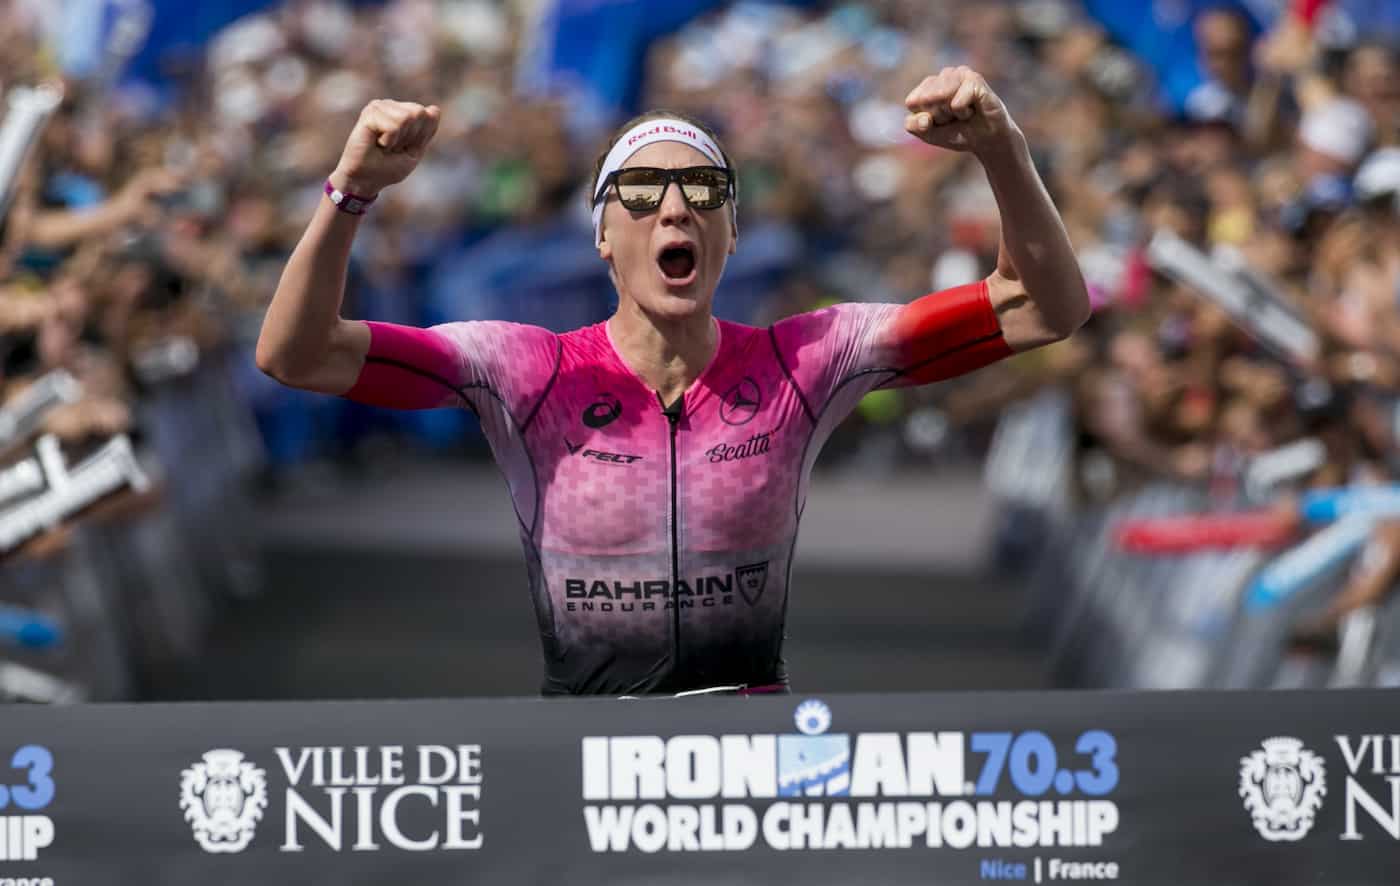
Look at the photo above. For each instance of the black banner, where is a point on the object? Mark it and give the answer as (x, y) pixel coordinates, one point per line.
(1276, 788)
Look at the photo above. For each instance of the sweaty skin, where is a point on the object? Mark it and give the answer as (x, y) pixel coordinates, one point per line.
(659, 541)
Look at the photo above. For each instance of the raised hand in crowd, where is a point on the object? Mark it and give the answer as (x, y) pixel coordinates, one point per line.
(138, 202)
(135, 204)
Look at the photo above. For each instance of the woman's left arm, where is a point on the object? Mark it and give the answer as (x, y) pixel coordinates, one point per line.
(1036, 290)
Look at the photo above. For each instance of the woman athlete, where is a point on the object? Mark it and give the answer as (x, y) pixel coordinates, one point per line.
(658, 461)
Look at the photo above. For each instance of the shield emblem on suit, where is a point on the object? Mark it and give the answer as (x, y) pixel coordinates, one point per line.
(752, 580)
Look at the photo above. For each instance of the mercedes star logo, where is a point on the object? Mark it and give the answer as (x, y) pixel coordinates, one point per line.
(740, 403)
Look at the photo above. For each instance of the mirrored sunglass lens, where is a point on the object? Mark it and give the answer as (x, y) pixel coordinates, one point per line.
(704, 196)
(640, 196)
(640, 189)
(706, 188)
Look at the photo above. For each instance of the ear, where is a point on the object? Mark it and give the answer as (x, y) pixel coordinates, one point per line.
(733, 235)
(605, 251)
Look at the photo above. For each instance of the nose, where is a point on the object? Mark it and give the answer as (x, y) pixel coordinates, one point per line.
(673, 209)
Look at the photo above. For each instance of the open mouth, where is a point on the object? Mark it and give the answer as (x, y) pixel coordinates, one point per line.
(677, 263)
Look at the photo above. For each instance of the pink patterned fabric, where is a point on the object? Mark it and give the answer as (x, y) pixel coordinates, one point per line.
(659, 551)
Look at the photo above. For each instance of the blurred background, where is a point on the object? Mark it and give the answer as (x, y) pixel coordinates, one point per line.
(1194, 491)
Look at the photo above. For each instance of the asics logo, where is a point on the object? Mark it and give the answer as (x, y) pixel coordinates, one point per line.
(603, 412)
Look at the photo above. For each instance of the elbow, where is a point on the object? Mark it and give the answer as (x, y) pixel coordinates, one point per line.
(1082, 312)
(273, 361)
(1074, 312)
(1047, 315)
(269, 362)
(317, 365)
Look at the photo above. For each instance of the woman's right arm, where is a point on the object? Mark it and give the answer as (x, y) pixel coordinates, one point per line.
(304, 342)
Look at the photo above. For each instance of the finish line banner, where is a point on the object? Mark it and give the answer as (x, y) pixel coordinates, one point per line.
(1166, 787)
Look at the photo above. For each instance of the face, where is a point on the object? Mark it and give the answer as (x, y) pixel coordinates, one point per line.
(1223, 42)
(646, 250)
(1370, 76)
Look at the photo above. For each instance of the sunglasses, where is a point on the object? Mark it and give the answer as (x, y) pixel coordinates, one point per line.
(642, 188)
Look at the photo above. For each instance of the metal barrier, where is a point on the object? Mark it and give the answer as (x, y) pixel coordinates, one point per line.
(1111, 618)
(1192, 787)
(1115, 619)
(1385, 657)
(133, 586)
(203, 438)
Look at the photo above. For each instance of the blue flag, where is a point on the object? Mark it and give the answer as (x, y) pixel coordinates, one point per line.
(180, 24)
(594, 51)
(1161, 33)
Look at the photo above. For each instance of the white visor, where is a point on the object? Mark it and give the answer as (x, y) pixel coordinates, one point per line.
(664, 129)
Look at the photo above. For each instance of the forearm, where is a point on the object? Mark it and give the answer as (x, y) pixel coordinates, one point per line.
(304, 341)
(55, 229)
(1049, 300)
(1261, 112)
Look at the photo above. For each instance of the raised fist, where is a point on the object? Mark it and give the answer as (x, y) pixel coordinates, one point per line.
(385, 146)
(956, 109)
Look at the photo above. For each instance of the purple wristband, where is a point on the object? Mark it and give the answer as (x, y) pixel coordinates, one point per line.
(351, 203)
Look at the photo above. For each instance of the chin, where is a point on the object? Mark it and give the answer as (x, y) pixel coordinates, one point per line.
(678, 302)
(689, 304)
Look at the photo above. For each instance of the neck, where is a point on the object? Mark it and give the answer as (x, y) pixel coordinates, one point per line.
(666, 353)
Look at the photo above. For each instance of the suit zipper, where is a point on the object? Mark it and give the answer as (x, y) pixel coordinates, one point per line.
(673, 418)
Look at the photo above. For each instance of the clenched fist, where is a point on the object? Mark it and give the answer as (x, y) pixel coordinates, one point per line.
(385, 146)
(957, 110)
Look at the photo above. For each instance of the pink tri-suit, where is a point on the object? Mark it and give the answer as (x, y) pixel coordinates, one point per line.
(659, 538)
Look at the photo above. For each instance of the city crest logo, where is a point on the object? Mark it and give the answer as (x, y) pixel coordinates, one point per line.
(1282, 786)
(223, 798)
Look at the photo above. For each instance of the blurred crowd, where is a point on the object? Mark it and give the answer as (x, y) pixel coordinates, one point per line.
(1286, 160)
(152, 223)
(139, 219)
